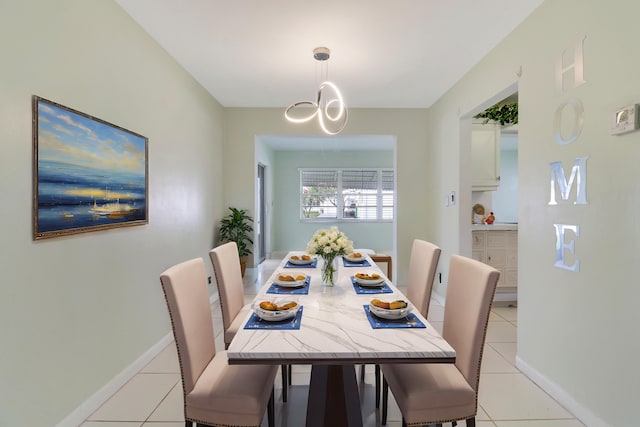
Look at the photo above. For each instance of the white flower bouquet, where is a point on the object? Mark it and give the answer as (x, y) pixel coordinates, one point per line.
(329, 244)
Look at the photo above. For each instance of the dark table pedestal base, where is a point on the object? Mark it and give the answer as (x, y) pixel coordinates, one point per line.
(334, 400)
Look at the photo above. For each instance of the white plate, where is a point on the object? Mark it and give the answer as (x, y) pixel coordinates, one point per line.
(289, 284)
(275, 316)
(372, 282)
(301, 261)
(351, 258)
(390, 314)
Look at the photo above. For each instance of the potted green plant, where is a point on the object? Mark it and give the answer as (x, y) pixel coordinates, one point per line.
(237, 227)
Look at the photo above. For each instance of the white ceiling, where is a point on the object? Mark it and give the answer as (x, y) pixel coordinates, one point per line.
(384, 54)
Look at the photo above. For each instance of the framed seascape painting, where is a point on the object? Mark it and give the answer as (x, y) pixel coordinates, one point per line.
(88, 174)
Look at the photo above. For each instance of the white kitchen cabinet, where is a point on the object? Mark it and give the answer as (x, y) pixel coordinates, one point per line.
(499, 249)
(485, 157)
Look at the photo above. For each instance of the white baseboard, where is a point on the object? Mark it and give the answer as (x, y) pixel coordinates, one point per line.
(89, 406)
(505, 296)
(583, 414)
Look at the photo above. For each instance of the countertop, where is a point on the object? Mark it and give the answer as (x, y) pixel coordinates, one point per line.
(495, 226)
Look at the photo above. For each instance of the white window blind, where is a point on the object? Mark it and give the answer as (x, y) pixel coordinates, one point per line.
(351, 194)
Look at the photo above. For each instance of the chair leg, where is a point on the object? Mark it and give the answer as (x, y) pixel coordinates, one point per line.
(289, 372)
(385, 401)
(471, 422)
(188, 424)
(362, 373)
(285, 387)
(271, 410)
(377, 371)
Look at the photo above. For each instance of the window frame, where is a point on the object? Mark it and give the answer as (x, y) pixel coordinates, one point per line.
(340, 196)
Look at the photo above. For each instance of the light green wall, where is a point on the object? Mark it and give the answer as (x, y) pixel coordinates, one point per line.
(292, 233)
(75, 311)
(414, 174)
(577, 331)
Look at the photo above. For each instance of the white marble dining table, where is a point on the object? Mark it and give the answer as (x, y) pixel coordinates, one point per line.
(334, 335)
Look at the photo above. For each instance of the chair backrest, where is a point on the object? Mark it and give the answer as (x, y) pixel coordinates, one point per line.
(470, 292)
(422, 270)
(226, 266)
(185, 290)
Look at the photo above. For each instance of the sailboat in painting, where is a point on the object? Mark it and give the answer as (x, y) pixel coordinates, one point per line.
(111, 209)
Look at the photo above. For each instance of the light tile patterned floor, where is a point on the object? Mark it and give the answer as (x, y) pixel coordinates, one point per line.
(153, 397)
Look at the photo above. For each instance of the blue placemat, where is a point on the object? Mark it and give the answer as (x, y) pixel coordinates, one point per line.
(384, 289)
(411, 321)
(347, 263)
(313, 264)
(255, 322)
(302, 290)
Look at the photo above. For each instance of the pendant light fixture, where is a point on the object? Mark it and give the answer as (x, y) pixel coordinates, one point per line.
(329, 106)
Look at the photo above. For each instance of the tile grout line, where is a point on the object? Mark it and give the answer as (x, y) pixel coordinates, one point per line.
(490, 344)
(160, 403)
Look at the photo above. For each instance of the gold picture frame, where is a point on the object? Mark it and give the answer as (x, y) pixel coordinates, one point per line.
(88, 174)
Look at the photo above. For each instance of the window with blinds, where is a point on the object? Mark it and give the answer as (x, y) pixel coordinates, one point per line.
(352, 194)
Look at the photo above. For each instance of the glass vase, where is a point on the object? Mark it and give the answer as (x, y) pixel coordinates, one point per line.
(329, 270)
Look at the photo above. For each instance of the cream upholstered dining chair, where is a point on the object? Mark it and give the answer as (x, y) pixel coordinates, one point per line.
(226, 267)
(422, 270)
(439, 393)
(215, 393)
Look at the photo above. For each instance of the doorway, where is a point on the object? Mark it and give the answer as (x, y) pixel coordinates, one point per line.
(284, 155)
(496, 194)
(260, 218)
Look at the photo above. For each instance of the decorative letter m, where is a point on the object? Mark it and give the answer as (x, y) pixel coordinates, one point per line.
(578, 174)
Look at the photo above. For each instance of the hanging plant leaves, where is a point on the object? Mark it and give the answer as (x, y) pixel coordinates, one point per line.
(506, 114)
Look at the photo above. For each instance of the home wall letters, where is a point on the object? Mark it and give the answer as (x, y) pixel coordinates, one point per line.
(565, 242)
